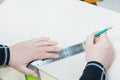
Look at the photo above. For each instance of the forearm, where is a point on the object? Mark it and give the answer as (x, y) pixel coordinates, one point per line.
(93, 71)
(4, 55)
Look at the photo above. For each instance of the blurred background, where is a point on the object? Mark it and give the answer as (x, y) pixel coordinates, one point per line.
(109, 4)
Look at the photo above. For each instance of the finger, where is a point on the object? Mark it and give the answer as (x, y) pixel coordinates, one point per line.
(49, 49)
(46, 43)
(53, 49)
(96, 39)
(46, 55)
(104, 37)
(90, 40)
(41, 39)
(49, 55)
(29, 72)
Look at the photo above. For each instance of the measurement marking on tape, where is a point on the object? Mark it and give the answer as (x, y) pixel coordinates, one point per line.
(66, 52)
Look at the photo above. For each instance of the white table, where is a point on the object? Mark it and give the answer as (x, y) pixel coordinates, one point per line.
(67, 21)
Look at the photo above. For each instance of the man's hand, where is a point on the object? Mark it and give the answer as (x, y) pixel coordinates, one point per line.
(99, 49)
(23, 53)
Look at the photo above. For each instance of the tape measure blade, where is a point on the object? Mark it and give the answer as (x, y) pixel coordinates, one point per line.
(66, 52)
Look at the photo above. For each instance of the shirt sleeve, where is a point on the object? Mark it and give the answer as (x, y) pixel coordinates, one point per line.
(93, 71)
(4, 55)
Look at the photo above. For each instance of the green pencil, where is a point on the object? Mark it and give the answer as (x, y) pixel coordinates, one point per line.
(102, 31)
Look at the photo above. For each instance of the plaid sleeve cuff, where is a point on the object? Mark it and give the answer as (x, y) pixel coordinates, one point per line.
(94, 71)
(4, 55)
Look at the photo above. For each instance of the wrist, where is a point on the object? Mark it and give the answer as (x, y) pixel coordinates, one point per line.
(11, 62)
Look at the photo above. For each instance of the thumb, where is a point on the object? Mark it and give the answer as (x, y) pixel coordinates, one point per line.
(29, 72)
(90, 40)
(104, 36)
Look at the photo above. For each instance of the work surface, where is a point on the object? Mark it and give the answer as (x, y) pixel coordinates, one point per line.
(66, 21)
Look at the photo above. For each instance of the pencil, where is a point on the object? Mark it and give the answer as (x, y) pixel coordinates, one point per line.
(102, 31)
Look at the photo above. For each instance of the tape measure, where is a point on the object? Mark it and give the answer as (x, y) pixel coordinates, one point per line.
(66, 52)
(35, 69)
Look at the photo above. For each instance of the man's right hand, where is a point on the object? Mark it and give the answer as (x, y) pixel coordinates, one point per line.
(99, 49)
